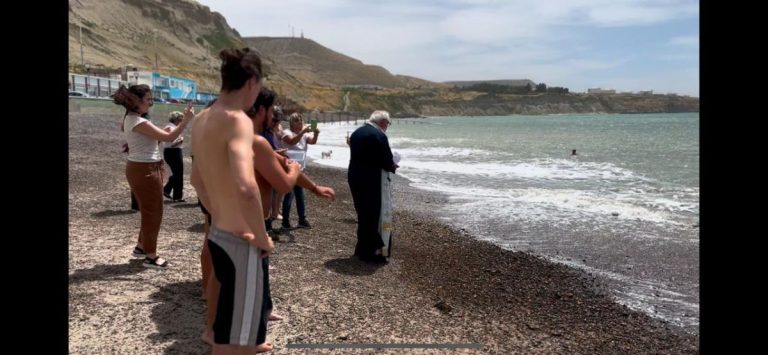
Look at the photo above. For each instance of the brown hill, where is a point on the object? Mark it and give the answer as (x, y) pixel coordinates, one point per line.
(515, 82)
(311, 63)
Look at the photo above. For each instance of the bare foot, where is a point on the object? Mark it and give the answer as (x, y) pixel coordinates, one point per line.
(263, 347)
(207, 337)
(273, 316)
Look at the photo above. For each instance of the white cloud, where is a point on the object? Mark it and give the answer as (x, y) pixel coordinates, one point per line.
(685, 41)
(638, 14)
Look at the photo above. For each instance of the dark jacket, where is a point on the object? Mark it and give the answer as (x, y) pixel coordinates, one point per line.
(369, 153)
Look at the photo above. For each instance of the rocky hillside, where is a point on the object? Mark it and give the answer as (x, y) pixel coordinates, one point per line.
(517, 83)
(183, 35)
(310, 63)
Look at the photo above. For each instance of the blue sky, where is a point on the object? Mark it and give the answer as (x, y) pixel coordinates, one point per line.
(627, 45)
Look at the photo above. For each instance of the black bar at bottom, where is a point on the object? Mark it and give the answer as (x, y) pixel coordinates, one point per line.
(382, 346)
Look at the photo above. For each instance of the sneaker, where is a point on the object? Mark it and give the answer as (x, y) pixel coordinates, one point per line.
(139, 253)
(286, 225)
(179, 200)
(156, 263)
(304, 224)
(167, 195)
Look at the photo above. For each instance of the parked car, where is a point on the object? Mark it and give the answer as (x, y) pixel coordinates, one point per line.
(159, 100)
(78, 94)
(174, 101)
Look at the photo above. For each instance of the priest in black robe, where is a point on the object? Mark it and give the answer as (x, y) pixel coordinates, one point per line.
(369, 155)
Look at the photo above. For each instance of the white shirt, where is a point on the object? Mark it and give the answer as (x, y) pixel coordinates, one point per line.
(298, 151)
(300, 145)
(177, 140)
(141, 148)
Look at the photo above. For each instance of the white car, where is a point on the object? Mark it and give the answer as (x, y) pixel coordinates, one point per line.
(78, 94)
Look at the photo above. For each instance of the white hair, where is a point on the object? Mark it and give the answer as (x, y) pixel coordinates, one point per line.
(175, 116)
(378, 116)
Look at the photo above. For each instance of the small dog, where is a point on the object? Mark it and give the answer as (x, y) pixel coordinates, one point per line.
(326, 154)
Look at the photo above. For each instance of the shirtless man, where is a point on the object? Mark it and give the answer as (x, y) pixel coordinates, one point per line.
(272, 171)
(223, 176)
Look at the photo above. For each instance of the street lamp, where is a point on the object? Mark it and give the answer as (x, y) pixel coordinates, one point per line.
(154, 46)
(87, 75)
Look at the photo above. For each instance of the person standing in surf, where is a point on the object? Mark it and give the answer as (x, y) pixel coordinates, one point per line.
(370, 156)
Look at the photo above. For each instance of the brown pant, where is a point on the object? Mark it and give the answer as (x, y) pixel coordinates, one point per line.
(146, 181)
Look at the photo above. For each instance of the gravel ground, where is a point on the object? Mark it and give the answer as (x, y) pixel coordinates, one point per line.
(441, 285)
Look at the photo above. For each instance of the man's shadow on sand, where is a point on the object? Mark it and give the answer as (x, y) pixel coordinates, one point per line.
(196, 228)
(184, 205)
(179, 314)
(108, 272)
(352, 266)
(112, 213)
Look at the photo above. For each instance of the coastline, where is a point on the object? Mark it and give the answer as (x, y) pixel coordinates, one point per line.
(441, 286)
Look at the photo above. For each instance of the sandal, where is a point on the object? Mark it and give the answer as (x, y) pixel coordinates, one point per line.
(156, 263)
(139, 253)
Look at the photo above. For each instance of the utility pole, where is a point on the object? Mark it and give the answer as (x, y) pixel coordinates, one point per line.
(82, 59)
(154, 40)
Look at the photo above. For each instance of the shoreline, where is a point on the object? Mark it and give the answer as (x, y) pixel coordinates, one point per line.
(633, 270)
(441, 286)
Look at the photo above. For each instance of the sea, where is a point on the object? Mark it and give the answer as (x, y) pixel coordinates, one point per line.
(615, 195)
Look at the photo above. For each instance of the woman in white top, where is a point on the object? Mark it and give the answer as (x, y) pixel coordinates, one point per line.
(144, 169)
(295, 139)
(174, 157)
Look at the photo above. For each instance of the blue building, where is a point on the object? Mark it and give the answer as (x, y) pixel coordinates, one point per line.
(203, 98)
(166, 86)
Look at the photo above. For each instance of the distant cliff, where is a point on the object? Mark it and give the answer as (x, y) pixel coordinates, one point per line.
(442, 104)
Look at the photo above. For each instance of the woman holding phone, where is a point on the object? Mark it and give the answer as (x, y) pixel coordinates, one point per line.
(144, 169)
(295, 139)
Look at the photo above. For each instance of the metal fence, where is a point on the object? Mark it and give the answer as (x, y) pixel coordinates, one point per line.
(350, 117)
(94, 85)
(77, 104)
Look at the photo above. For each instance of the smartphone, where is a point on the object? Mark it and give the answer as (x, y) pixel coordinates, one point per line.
(313, 124)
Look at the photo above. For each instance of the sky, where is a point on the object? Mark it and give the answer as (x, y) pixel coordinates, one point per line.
(626, 45)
